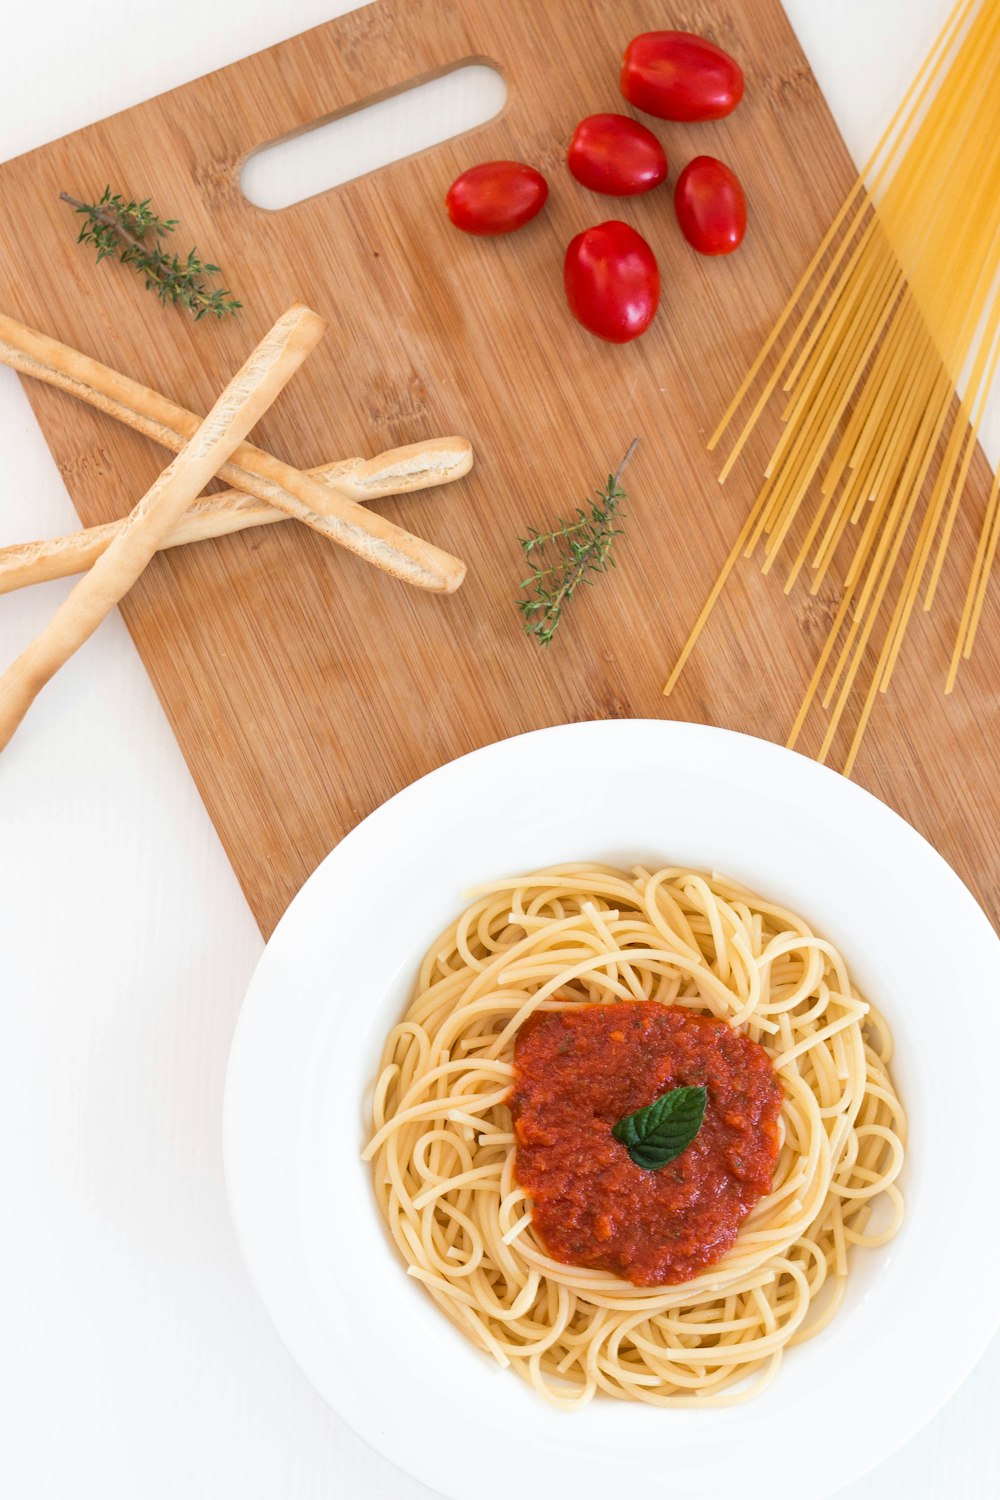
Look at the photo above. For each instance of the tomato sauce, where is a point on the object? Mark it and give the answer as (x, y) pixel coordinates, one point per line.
(576, 1074)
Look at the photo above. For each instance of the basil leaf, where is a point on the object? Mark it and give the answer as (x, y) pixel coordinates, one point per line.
(662, 1130)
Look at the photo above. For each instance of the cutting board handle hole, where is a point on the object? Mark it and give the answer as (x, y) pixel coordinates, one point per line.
(342, 147)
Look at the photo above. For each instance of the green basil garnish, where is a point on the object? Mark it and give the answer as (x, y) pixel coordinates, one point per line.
(662, 1130)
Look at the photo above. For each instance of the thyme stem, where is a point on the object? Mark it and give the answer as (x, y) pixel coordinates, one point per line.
(579, 547)
(115, 227)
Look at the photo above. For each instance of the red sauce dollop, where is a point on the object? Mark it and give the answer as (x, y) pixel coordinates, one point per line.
(576, 1074)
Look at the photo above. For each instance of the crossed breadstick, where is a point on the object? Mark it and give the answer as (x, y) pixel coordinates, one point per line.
(205, 448)
(256, 473)
(398, 471)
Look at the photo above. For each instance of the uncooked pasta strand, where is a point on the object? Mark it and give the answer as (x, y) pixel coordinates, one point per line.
(901, 297)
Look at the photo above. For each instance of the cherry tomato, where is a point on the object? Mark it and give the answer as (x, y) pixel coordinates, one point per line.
(615, 154)
(711, 207)
(678, 76)
(612, 281)
(496, 197)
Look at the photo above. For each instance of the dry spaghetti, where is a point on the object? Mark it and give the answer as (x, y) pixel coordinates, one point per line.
(901, 297)
(442, 1151)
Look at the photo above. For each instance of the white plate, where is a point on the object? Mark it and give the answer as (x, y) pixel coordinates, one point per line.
(336, 974)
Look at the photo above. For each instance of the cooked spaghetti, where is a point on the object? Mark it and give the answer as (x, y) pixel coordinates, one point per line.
(900, 304)
(444, 1151)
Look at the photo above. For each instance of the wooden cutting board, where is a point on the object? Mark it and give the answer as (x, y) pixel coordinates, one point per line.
(303, 686)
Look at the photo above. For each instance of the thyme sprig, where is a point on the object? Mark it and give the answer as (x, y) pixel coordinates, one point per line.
(134, 233)
(569, 555)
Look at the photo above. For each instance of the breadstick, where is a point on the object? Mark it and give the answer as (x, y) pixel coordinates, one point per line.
(242, 404)
(399, 471)
(254, 472)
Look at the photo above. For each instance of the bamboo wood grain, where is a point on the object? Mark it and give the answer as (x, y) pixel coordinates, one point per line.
(334, 691)
(401, 471)
(240, 406)
(320, 507)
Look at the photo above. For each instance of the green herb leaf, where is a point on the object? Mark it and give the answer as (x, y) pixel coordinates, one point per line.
(133, 232)
(665, 1128)
(569, 555)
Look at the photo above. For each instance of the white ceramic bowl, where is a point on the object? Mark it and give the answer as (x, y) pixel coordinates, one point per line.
(337, 974)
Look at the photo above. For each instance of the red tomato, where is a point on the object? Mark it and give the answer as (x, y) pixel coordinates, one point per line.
(711, 208)
(614, 154)
(612, 281)
(678, 76)
(496, 197)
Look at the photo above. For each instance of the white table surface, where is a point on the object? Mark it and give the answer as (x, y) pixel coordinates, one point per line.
(135, 1359)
